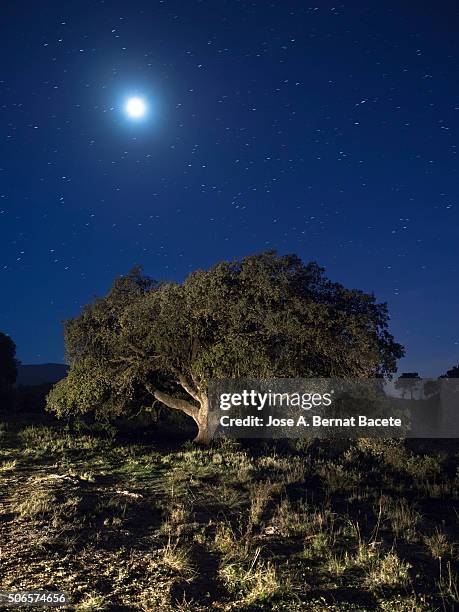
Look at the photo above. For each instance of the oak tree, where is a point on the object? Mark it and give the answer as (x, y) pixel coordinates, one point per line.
(263, 316)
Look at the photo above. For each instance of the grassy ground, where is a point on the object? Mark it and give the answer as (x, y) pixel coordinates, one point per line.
(366, 525)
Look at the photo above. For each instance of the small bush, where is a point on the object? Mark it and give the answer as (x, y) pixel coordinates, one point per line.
(438, 544)
(403, 518)
(257, 582)
(338, 477)
(388, 571)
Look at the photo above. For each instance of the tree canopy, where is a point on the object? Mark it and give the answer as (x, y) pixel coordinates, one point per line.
(8, 363)
(408, 383)
(8, 369)
(452, 373)
(263, 316)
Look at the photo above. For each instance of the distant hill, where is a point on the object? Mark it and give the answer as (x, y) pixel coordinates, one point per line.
(41, 373)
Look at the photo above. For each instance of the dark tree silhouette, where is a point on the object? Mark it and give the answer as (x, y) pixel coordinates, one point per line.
(408, 382)
(432, 387)
(8, 369)
(8, 362)
(453, 373)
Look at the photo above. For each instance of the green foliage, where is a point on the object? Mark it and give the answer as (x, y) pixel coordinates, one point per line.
(87, 387)
(259, 317)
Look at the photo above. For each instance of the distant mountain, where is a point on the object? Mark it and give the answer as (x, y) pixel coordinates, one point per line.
(41, 373)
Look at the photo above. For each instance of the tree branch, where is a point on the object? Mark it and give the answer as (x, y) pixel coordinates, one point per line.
(197, 385)
(124, 360)
(136, 349)
(174, 402)
(182, 381)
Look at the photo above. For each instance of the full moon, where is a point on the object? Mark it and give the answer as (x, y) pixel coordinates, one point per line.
(136, 108)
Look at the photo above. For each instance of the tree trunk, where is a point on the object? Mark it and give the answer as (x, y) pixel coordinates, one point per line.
(205, 428)
(204, 435)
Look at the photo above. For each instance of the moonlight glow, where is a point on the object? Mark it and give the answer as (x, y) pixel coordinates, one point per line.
(136, 108)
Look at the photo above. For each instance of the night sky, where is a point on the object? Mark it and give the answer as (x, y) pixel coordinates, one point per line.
(327, 130)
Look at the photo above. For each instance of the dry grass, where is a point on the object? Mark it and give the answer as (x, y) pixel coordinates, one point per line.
(324, 527)
(252, 581)
(176, 557)
(403, 517)
(439, 545)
